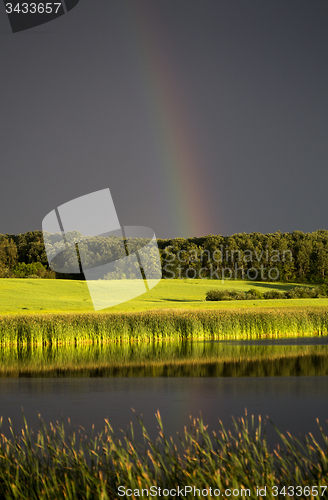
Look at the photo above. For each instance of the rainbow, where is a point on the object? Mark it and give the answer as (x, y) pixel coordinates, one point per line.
(173, 133)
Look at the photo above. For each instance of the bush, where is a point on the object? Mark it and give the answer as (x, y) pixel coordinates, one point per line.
(217, 295)
(254, 294)
(5, 272)
(322, 290)
(34, 270)
(274, 294)
(303, 293)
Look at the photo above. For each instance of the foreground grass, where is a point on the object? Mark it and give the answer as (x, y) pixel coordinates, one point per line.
(162, 325)
(35, 296)
(52, 465)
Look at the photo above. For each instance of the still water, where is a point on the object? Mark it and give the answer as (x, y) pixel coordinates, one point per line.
(292, 402)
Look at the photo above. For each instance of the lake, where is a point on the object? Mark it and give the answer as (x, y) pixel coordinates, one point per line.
(293, 402)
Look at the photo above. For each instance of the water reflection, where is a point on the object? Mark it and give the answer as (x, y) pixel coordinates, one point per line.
(261, 358)
(289, 341)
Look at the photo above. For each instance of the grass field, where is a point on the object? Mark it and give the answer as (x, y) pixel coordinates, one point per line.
(36, 296)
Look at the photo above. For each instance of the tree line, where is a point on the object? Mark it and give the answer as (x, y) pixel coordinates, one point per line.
(288, 257)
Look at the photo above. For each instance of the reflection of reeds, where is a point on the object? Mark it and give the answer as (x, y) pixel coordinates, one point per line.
(162, 325)
(184, 358)
(54, 464)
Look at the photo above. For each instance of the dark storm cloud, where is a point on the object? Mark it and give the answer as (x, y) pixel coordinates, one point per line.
(75, 114)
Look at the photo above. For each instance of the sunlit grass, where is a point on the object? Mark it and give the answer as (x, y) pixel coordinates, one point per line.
(155, 325)
(35, 296)
(53, 464)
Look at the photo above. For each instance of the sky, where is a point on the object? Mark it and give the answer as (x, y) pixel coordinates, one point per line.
(201, 117)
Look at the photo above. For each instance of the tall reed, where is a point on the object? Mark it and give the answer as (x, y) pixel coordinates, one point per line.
(54, 465)
(162, 325)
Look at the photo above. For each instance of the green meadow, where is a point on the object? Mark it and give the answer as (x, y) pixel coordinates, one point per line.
(38, 296)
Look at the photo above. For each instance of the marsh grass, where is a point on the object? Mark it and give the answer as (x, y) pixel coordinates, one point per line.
(155, 325)
(184, 358)
(55, 464)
